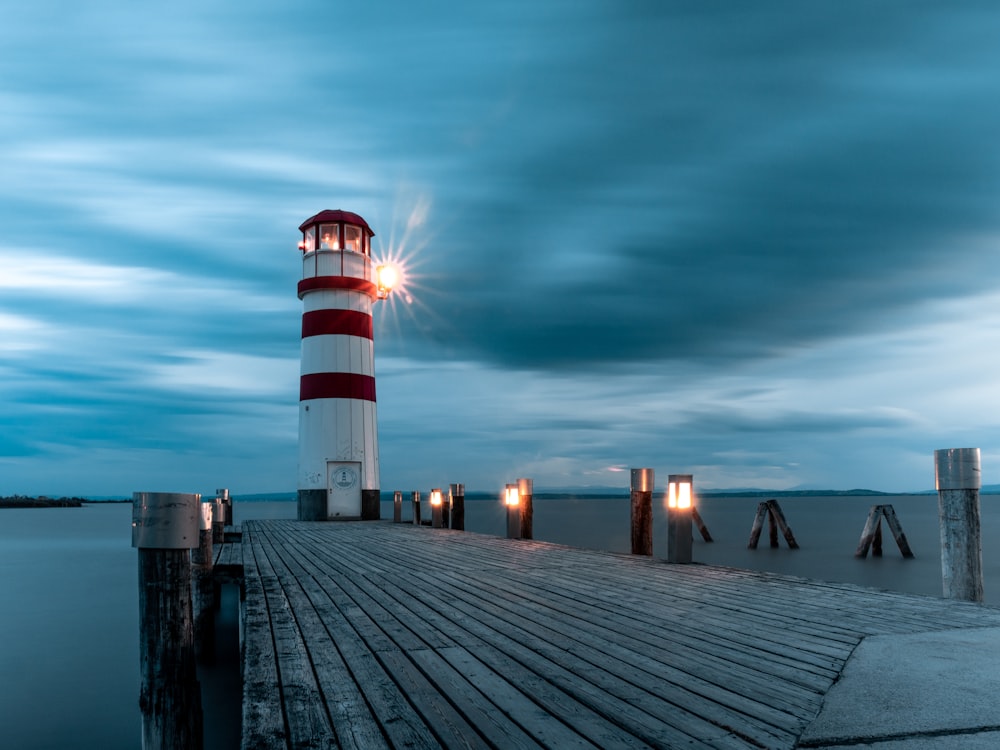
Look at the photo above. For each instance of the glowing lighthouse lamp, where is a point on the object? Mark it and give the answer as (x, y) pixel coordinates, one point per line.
(338, 475)
(679, 509)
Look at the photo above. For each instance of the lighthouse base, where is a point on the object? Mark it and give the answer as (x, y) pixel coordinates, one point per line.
(312, 505)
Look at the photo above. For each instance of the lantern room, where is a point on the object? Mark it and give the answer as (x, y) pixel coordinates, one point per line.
(337, 244)
(336, 230)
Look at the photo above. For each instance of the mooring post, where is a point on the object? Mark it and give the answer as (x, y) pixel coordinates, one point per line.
(958, 478)
(680, 492)
(513, 506)
(758, 525)
(164, 530)
(525, 494)
(218, 521)
(397, 507)
(227, 501)
(641, 490)
(203, 586)
(416, 507)
(696, 517)
(457, 493)
(437, 508)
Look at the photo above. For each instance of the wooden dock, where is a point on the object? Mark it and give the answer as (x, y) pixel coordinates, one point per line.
(373, 634)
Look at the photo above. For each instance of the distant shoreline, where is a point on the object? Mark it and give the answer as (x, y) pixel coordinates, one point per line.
(22, 501)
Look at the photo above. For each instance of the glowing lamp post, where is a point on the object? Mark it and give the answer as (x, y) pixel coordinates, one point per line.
(512, 499)
(679, 499)
(437, 509)
(397, 507)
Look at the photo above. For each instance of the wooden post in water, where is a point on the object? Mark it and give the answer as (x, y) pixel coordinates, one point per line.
(525, 493)
(457, 493)
(437, 508)
(397, 507)
(871, 535)
(164, 529)
(958, 478)
(770, 510)
(641, 490)
(416, 507)
(203, 586)
(696, 517)
(513, 507)
(680, 492)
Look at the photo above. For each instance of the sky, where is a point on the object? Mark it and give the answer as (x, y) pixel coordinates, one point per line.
(758, 243)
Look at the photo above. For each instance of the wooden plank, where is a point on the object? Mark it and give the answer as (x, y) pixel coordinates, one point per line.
(428, 638)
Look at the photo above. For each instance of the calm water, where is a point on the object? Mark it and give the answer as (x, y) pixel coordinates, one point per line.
(69, 604)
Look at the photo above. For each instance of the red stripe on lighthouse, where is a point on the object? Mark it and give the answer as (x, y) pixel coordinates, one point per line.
(338, 282)
(337, 385)
(346, 322)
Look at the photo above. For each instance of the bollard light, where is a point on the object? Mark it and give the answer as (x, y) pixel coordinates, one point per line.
(511, 496)
(679, 491)
(512, 500)
(679, 499)
(437, 511)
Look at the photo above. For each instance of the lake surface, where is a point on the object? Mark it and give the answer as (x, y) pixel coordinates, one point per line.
(69, 664)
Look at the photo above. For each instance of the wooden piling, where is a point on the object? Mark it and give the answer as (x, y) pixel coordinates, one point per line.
(457, 494)
(218, 522)
(871, 535)
(702, 528)
(958, 479)
(641, 489)
(525, 492)
(770, 510)
(227, 503)
(203, 586)
(164, 529)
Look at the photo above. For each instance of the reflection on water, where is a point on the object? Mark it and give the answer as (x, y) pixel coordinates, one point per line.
(69, 601)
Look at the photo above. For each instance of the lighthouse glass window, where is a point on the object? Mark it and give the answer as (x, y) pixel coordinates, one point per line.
(309, 240)
(328, 237)
(352, 238)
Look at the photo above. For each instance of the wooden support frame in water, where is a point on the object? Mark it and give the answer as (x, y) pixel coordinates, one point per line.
(871, 535)
(776, 520)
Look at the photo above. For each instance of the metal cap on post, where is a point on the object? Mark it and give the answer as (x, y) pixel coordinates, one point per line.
(641, 491)
(957, 469)
(958, 478)
(165, 520)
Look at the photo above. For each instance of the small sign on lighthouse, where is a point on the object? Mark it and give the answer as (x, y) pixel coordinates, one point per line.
(338, 434)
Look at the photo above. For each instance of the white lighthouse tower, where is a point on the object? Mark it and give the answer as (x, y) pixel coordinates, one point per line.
(338, 436)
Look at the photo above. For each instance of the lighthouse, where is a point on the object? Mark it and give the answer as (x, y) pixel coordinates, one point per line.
(338, 475)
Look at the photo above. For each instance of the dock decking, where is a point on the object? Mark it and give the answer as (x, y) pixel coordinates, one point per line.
(373, 634)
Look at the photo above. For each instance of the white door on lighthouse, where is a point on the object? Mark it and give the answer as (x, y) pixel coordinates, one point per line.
(343, 489)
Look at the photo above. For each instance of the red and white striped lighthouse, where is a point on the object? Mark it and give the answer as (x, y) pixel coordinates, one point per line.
(338, 435)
